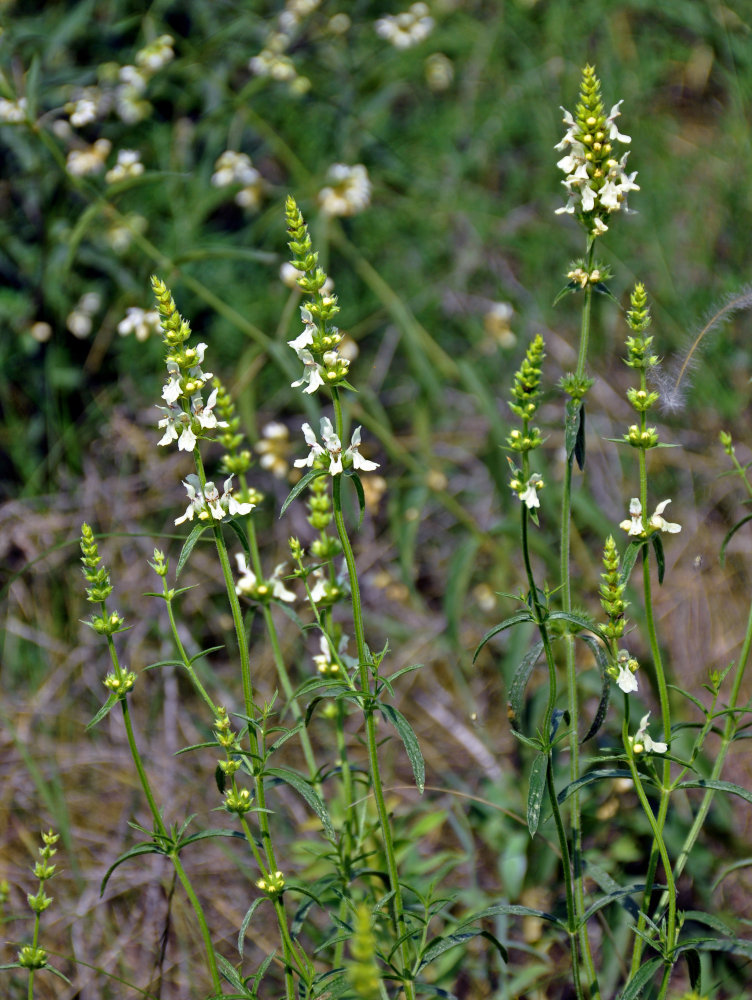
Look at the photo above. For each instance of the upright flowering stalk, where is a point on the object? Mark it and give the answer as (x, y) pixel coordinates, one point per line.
(323, 366)
(189, 417)
(120, 682)
(597, 186)
(645, 532)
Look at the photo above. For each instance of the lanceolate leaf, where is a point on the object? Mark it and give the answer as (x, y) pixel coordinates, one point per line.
(355, 480)
(104, 710)
(572, 426)
(300, 486)
(304, 789)
(519, 684)
(730, 535)
(410, 740)
(629, 559)
(659, 556)
(188, 547)
(718, 786)
(535, 792)
(523, 616)
(439, 945)
(641, 978)
(602, 660)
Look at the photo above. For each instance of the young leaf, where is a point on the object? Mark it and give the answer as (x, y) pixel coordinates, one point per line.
(523, 616)
(303, 788)
(602, 660)
(519, 684)
(659, 556)
(104, 710)
(300, 486)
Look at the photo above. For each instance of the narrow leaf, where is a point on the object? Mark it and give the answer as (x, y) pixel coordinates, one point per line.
(629, 559)
(301, 485)
(246, 921)
(602, 660)
(572, 426)
(410, 740)
(641, 978)
(659, 556)
(519, 684)
(579, 445)
(303, 788)
(718, 786)
(104, 710)
(355, 480)
(523, 616)
(729, 536)
(188, 547)
(535, 792)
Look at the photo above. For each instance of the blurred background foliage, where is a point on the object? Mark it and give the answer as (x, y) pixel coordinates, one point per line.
(442, 280)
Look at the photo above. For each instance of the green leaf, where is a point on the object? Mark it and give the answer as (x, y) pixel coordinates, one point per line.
(622, 896)
(239, 530)
(519, 684)
(729, 535)
(603, 663)
(354, 478)
(441, 944)
(303, 788)
(566, 290)
(588, 779)
(660, 559)
(104, 710)
(301, 485)
(523, 616)
(579, 444)
(535, 792)
(572, 425)
(742, 863)
(135, 852)
(641, 978)
(410, 740)
(718, 786)
(515, 910)
(629, 559)
(188, 546)
(581, 622)
(246, 921)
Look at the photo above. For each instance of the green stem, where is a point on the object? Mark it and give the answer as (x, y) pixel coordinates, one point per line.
(570, 660)
(660, 844)
(364, 663)
(161, 830)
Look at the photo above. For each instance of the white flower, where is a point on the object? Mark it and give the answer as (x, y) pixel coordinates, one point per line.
(176, 419)
(333, 447)
(195, 498)
(204, 412)
(140, 322)
(174, 389)
(634, 525)
(305, 339)
(529, 496)
(311, 376)
(128, 165)
(325, 661)
(89, 160)
(348, 191)
(408, 28)
(626, 680)
(357, 460)
(659, 524)
(641, 741)
(613, 131)
(13, 112)
(208, 503)
(156, 54)
(249, 585)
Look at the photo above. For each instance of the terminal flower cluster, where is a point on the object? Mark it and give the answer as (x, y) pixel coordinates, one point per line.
(597, 181)
(634, 526)
(257, 589)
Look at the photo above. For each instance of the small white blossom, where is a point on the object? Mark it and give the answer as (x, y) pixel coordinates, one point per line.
(626, 679)
(407, 28)
(325, 661)
(333, 447)
(305, 339)
(312, 373)
(156, 54)
(128, 165)
(657, 522)
(140, 322)
(90, 160)
(204, 412)
(529, 496)
(348, 190)
(249, 585)
(642, 742)
(13, 112)
(207, 502)
(174, 388)
(176, 420)
(634, 525)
